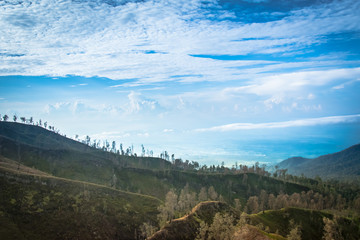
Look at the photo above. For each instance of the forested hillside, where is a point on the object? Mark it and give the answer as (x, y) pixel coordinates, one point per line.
(48, 180)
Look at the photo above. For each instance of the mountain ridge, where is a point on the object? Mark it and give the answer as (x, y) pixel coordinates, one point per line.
(344, 164)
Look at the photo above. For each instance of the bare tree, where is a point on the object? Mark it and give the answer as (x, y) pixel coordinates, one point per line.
(113, 146)
(167, 211)
(294, 234)
(212, 194)
(331, 230)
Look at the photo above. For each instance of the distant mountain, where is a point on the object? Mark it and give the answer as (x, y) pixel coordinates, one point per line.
(341, 165)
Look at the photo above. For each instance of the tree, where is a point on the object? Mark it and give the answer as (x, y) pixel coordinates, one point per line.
(203, 196)
(5, 117)
(121, 149)
(263, 200)
(253, 204)
(271, 201)
(212, 194)
(15, 118)
(203, 231)
(113, 181)
(45, 124)
(87, 140)
(222, 227)
(294, 234)
(244, 180)
(331, 230)
(142, 150)
(167, 211)
(237, 204)
(31, 120)
(147, 230)
(243, 219)
(23, 119)
(113, 146)
(107, 145)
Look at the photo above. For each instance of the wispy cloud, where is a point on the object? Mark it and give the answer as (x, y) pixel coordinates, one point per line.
(285, 124)
(153, 40)
(290, 83)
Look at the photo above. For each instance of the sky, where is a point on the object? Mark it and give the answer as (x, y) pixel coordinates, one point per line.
(210, 80)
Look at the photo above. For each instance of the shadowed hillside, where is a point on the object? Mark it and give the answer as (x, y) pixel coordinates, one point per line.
(59, 156)
(310, 222)
(270, 224)
(340, 165)
(38, 206)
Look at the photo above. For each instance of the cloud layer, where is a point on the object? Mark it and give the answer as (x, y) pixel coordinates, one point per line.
(154, 70)
(286, 124)
(156, 39)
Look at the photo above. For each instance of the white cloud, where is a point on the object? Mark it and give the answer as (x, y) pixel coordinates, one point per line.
(168, 130)
(288, 83)
(136, 103)
(152, 40)
(286, 124)
(143, 135)
(111, 135)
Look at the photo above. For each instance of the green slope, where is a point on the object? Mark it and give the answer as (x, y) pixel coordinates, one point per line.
(310, 221)
(45, 207)
(277, 223)
(44, 149)
(62, 157)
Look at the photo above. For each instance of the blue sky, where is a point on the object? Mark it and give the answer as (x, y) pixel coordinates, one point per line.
(212, 81)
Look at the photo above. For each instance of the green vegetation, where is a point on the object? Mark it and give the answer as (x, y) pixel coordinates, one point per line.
(53, 187)
(63, 157)
(310, 222)
(43, 207)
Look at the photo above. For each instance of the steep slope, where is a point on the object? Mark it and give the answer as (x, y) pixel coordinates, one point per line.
(340, 165)
(47, 151)
(17, 139)
(37, 206)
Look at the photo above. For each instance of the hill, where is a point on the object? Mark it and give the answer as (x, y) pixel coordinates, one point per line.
(34, 205)
(53, 187)
(341, 165)
(270, 224)
(59, 156)
(310, 222)
(187, 226)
